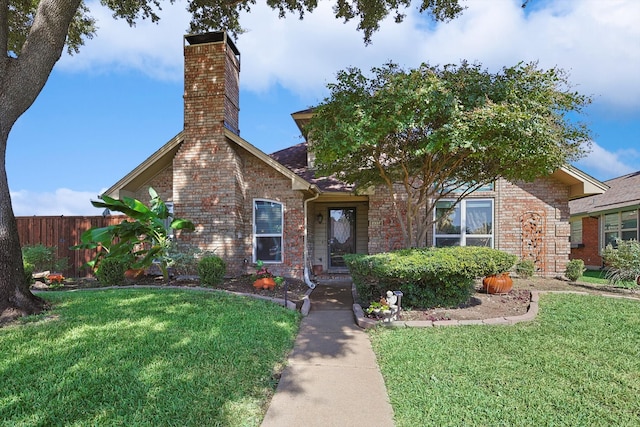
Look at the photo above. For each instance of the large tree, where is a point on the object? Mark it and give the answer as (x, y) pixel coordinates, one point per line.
(443, 132)
(33, 35)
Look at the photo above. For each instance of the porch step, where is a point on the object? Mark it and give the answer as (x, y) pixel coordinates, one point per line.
(332, 278)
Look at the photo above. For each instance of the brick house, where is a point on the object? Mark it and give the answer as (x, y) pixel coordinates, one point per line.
(597, 221)
(250, 206)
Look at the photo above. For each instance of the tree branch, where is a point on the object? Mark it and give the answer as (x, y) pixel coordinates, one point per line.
(4, 27)
(43, 47)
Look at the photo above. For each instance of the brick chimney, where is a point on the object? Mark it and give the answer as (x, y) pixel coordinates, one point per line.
(207, 168)
(211, 75)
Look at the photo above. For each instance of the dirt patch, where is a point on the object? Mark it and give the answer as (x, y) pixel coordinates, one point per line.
(485, 306)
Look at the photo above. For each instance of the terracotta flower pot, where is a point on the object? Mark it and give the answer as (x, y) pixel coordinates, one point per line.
(134, 273)
(265, 283)
(497, 284)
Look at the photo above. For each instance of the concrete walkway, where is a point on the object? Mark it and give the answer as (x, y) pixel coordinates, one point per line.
(332, 378)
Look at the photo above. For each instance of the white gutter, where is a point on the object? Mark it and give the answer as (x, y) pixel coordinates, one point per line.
(307, 279)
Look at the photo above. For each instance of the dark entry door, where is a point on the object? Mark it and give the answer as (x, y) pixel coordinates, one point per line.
(342, 235)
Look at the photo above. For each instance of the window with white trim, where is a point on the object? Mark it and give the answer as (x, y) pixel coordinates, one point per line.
(267, 231)
(620, 225)
(468, 223)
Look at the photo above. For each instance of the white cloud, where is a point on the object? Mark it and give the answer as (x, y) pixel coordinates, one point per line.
(598, 42)
(61, 202)
(605, 164)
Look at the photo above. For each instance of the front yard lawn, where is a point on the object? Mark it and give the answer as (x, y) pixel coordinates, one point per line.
(578, 363)
(140, 357)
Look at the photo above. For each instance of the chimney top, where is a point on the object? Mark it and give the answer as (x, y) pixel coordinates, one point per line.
(211, 37)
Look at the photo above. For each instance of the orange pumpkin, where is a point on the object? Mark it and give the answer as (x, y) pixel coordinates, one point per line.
(497, 284)
(265, 283)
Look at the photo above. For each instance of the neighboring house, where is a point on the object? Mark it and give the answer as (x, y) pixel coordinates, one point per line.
(600, 220)
(249, 206)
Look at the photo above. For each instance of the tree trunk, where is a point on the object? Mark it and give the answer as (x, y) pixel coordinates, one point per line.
(15, 297)
(21, 80)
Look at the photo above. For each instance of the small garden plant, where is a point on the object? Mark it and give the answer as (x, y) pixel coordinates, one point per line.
(526, 268)
(623, 262)
(574, 270)
(211, 270)
(44, 258)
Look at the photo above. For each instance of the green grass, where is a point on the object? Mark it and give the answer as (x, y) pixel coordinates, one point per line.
(598, 277)
(577, 364)
(144, 358)
(594, 276)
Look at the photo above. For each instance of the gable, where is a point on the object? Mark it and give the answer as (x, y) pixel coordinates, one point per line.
(163, 158)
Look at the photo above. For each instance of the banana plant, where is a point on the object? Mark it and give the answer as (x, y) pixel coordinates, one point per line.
(140, 240)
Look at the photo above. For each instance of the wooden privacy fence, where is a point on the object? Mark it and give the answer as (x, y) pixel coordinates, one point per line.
(63, 232)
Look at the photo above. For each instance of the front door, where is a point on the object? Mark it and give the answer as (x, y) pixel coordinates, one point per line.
(342, 235)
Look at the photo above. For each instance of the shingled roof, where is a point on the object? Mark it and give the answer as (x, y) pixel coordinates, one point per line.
(295, 159)
(623, 192)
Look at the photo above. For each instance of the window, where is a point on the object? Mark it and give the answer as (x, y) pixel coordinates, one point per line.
(576, 232)
(267, 231)
(469, 223)
(167, 221)
(620, 225)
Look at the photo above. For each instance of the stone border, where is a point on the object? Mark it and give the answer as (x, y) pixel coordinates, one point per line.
(532, 311)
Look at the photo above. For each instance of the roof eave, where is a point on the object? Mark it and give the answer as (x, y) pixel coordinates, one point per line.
(580, 184)
(146, 170)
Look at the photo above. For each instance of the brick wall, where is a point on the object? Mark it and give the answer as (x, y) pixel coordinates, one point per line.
(589, 250)
(385, 232)
(263, 182)
(532, 221)
(162, 183)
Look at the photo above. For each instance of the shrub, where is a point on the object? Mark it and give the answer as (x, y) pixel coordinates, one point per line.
(574, 270)
(623, 262)
(28, 272)
(428, 277)
(184, 258)
(43, 258)
(211, 270)
(526, 268)
(111, 271)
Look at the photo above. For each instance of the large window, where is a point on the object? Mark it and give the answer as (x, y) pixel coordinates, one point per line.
(469, 223)
(267, 231)
(620, 225)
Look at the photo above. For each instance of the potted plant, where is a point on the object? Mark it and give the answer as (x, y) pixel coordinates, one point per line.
(376, 308)
(264, 278)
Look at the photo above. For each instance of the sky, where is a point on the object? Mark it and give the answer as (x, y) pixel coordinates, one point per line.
(105, 110)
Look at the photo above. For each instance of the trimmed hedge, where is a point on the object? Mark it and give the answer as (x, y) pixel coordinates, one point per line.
(427, 277)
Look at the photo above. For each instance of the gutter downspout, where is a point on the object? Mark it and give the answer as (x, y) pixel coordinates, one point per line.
(307, 279)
